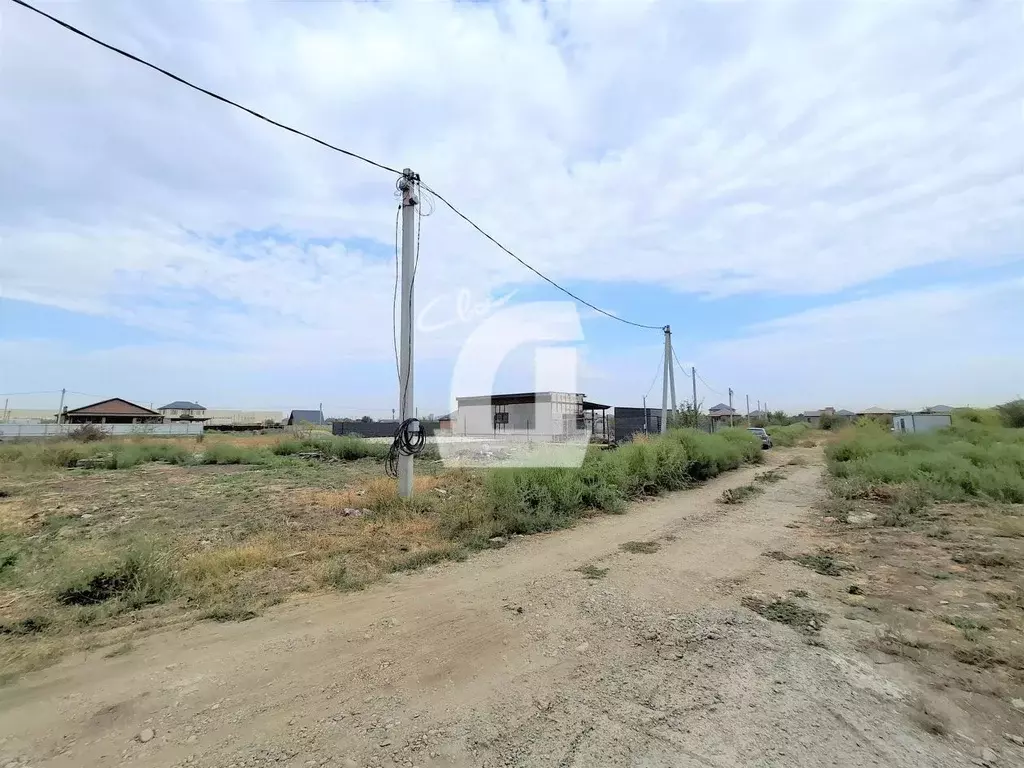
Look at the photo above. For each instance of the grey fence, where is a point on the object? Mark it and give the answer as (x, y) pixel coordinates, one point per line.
(173, 429)
(377, 428)
(630, 421)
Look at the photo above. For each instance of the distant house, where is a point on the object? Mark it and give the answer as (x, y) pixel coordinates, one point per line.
(876, 411)
(306, 417)
(814, 417)
(112, 411)
(183, 410)
(446, 423)
(938, 409)
(720, 414)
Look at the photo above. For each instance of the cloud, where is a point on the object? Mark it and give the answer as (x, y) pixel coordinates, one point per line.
(908, 349)
(714, 148)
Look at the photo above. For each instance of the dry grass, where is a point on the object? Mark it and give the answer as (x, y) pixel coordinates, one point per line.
(640, 547)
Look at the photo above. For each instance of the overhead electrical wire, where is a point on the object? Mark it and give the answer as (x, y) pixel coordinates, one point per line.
(699, 377)
(535, 271)
(177, 78)
(655, 379)
(211, 94)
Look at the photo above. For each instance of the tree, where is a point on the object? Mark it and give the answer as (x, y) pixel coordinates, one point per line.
(1012, 413)
(366, 419)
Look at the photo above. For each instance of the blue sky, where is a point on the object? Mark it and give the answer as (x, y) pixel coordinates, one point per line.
(824, 201)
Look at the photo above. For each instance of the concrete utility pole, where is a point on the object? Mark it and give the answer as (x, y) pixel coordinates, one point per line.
(407, 185)
(748, 410)
(645, 414)
(672, 381)
(664, 379)
(730, 406)
(693, 378)
(60, 409)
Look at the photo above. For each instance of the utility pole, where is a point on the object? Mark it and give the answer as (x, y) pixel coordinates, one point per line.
(645, 414)
(60, 410)
(672, 381)
(730, 406)
(693, 378)
(748, 410)
(664, 379)
(758, 411)
(407, 185)
(6, 401)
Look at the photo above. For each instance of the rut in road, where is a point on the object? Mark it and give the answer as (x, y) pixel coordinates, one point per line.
(561, 649)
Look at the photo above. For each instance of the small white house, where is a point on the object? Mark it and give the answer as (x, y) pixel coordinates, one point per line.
(544, 415)
(906, 423)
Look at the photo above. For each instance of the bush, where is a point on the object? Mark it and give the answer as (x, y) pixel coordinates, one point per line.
(226, 453)
(87, 433)
(966, 462)
(127, 455)
(791, 435)
(138, 577)
(1012, 414)
(531, 500)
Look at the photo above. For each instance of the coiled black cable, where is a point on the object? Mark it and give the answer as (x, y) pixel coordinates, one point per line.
(409, 441)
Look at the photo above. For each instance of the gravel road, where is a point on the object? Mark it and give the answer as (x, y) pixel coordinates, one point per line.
(512, 658)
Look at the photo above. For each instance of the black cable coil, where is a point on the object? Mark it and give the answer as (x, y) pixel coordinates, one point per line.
(409, 440)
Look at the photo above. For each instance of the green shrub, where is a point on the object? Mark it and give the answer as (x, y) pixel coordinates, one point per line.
(1012, 414)
(127, 455)
(226, 453)
(531, 500)
(791, 435)
(137, 577)
(969, 461)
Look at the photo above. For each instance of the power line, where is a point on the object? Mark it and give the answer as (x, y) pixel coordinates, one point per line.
(202, 90)
(699, 377)
(655, 379)
(709, 386)
(535, 271)
(328, 145)
(22, 394)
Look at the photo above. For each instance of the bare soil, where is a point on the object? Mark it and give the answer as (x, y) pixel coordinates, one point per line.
(562, 649)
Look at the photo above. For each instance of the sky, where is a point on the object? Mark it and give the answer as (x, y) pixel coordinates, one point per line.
(825, 201)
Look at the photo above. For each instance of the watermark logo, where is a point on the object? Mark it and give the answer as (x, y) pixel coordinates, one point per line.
(544, 427)
(466, 310)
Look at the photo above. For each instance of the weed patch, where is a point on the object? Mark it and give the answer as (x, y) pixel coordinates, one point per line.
(591, 571)
(822, 563)
(739, 494)
(640, 547)
(787, 612)
(139, 577)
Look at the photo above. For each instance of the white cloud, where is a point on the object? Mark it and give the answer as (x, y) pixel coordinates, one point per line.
(909, 349)
(712, 147)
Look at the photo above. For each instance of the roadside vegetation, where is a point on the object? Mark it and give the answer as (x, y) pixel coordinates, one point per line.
(930, 528)
(222, 528)
(124, 453)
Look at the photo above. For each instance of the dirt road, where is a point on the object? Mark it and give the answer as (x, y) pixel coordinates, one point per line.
(510, 658)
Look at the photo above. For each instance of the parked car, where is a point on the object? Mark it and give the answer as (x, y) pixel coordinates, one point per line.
(766, 439)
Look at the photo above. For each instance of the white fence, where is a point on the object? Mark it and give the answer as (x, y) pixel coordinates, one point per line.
(175, 429)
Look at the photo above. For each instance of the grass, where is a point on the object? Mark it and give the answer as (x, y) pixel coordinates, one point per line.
(788, 612)
(820, 562)
(739, 494)
(222, 529)
(640, 547)
(125, 453)
(591, 571)
(794, 434)
(967, 462)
